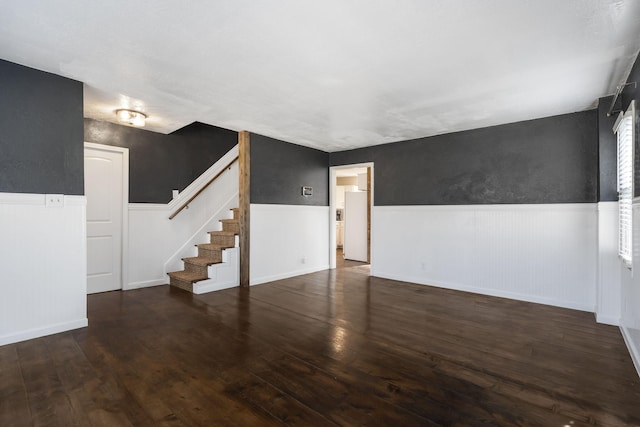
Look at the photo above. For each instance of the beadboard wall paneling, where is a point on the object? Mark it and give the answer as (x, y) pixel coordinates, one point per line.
(539, 253)
(608, 289)
(288, 240)
(43, 263)
(630, 316)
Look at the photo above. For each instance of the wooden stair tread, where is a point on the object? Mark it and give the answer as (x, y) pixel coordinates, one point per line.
(186, 276)
(230, 220)
(223, 233)
(212, 246)
(202, 261)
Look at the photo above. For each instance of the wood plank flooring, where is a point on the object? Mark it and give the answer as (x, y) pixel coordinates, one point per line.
(332, 348)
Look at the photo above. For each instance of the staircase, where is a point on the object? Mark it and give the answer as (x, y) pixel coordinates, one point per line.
(196, 269)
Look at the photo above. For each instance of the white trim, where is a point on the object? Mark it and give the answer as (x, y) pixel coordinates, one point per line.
(29, 199)
(585, 207)
(193, 188)
(491, 292)
(125, 204)
(22, 199)
(608, 275)
(148, 207)
(333, 182)
(277, 207)
(204, 288)
(607, 206)
(607, 320)
(635, 357)
(40, 332)
(272, 278)
(145, 284)
(75, 200)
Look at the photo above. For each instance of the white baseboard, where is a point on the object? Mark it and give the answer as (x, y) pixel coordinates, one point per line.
(267, 279)
(40, 332)
(146, 284)
(484, 291)
(203, 288)
(607, 320)
(635, 357)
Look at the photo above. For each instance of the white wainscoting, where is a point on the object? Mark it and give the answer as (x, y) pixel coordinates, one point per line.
(288, 241)
(539, 253)
(608, 288)
(44, 266)
(157, 244)
(630, 294)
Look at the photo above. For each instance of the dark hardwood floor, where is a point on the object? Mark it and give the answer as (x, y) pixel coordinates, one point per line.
(331, 348)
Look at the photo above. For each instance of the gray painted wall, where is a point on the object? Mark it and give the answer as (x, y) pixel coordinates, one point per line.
(280, 169)
(159, 163)
(549, 160)
(41, 147)
(607, 153)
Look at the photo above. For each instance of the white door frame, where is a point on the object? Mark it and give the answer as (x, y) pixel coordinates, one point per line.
(333, 181)
(125, 206)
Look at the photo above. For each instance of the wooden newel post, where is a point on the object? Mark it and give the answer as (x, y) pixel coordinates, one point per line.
(244, 200)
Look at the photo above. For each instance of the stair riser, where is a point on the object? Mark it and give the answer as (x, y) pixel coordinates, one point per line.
(231, 226)
(193, 268)
(215, 255)
(229, 241)
(187, 286)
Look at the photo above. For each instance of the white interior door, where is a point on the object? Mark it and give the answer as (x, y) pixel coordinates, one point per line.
(103, 186)
(355, 226)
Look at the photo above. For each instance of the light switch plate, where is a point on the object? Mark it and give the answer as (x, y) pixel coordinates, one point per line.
(54, 200)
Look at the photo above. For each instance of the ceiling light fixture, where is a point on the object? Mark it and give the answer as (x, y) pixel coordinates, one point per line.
(131, 117)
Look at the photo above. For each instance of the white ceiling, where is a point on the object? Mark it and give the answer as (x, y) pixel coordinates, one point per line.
(330, 74)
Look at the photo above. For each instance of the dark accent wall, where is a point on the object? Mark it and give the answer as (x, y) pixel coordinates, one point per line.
(607, 153)
(549, 160)
(41, 149)
(279, 170)
(159, 163)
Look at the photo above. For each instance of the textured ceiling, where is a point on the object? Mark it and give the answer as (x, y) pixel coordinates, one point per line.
(332, 74)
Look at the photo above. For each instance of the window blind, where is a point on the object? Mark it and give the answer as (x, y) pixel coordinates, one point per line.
(624, 132)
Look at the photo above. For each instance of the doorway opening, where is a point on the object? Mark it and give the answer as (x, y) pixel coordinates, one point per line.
(351, 201)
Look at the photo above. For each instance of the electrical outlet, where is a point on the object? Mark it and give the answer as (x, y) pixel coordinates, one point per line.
(54, 200)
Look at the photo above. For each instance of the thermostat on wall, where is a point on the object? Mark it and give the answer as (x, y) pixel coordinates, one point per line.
(307, 191)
